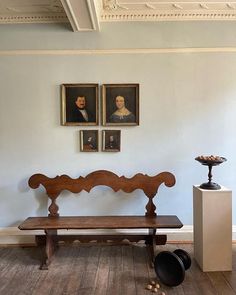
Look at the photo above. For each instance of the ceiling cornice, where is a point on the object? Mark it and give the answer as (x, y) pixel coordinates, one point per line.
(86, 15)
(16, 19)
(83, 15)
(130, 10)
(26, 11)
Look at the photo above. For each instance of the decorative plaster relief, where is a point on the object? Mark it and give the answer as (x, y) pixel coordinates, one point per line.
(26, 6)
(26, 11)
(121, 10)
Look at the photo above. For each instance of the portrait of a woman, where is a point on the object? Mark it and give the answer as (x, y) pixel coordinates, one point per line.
(122, 114)
(120, 104)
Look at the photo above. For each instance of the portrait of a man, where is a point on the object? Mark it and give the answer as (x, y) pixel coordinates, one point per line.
(120, 104)
(89, 140)
(80, 104)
(111, 140)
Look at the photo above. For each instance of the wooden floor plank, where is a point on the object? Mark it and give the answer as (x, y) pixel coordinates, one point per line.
(220, 283)
(6, 262)
(102, 270)
(54, 280)
(128, 285)
(114, 283)
(200, 281)
(116, 262)
(90, 270)
(143, 272)
(77, 266)
(17, 270)
(102, 275)
(115, 271)
(230, 277)
(31, 273)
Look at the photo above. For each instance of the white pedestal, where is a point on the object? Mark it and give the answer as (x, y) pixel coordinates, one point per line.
(212, 224)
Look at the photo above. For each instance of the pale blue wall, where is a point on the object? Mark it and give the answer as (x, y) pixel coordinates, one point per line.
(119, 35)
(187, 108)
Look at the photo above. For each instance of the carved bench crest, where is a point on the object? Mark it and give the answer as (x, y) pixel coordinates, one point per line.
(149, 185)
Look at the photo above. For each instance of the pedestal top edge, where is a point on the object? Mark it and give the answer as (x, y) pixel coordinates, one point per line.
(223, 189)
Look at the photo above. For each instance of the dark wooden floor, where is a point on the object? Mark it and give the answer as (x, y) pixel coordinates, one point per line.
(101, 270)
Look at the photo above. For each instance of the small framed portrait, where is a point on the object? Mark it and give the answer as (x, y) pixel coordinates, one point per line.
(89, 140)
(120, 104)
(79, 104)
(111, 140)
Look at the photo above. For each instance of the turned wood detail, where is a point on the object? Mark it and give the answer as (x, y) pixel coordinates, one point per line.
(149, 185)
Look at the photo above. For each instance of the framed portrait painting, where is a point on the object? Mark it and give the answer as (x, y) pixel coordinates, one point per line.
(89, 140)
(111, 140)
(79, 104)
(120, 104)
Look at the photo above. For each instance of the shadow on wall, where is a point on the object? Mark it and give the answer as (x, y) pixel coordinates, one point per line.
(23, 185)
(43, 202)
(39, 195)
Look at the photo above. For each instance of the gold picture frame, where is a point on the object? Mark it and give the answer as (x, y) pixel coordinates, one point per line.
(120, 104)
(79, 104)
(111, 140)
(89, 141)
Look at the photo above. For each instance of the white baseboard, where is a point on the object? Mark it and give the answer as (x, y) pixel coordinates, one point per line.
(14, 236)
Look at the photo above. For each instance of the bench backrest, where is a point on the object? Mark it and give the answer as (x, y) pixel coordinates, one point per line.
(149, 185)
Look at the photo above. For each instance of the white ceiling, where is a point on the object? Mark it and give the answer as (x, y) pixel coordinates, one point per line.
(86, 15)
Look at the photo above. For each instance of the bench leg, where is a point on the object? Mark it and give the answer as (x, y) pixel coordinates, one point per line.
(50, 247)
(151, 242)
(40, 240)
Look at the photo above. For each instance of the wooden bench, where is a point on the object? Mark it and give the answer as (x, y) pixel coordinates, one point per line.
(54, 222)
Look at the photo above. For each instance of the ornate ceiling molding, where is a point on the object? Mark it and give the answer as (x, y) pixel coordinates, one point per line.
(26, 11)
(82, 14)
(153, 10)
(86, 15)
(33, 19)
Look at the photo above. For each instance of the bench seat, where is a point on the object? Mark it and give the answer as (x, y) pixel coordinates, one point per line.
(101, 222)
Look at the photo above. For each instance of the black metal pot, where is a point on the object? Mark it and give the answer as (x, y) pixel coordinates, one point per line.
(170, 266)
